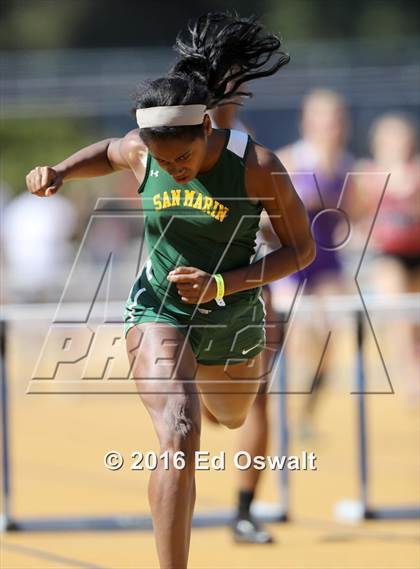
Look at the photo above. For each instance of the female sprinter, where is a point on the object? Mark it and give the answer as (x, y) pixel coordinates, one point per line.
(203, 191)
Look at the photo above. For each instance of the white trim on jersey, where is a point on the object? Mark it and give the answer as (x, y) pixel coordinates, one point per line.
(237, 142)
(260, 298)
(149, 272)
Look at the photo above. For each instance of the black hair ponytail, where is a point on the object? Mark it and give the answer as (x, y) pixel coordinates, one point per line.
(219, 54)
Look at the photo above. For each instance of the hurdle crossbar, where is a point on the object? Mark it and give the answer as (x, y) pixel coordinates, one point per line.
(263, 512)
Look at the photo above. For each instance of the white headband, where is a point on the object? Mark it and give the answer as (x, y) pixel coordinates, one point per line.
(177, 115)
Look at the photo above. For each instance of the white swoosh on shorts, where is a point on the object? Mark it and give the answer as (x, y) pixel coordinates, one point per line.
(249, 349)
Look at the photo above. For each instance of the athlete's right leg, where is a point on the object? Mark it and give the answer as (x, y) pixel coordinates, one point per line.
(164, 379)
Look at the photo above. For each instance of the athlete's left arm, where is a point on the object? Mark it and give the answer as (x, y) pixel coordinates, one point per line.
(267, 180)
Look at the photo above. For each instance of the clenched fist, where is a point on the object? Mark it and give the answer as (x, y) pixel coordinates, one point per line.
(43, 181)
(194, 285)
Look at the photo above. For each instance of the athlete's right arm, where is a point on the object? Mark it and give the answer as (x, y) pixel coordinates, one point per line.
(98, 159)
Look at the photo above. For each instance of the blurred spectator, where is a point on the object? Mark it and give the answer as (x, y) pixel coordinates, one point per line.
(396, 233)
(318, 164)
(395, 237)
(321, 152)
(36, 239)
(5, 196)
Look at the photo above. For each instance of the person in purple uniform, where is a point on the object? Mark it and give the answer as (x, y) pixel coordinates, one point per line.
(319, 163)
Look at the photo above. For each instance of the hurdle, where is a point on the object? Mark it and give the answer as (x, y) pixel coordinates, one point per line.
(264, 512)
(348, 306)
(352, 511)
(358, 309)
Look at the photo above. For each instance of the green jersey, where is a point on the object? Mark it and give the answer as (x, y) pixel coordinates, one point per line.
(209, 223)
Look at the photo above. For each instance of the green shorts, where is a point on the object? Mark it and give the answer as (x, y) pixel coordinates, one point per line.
(230, 335)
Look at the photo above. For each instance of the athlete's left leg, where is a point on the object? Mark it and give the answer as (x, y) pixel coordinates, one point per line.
(228, 391)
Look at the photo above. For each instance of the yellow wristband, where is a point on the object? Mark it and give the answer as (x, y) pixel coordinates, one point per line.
(220, 289)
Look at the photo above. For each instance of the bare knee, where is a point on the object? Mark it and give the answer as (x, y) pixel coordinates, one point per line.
(208, 415)
(180, 424)
(258, 410)
(232, 422)
(181, 415)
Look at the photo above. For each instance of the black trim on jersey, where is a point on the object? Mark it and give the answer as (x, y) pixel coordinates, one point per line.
(225, 145)
(228, 132)
(146, 173)
(247, 147)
